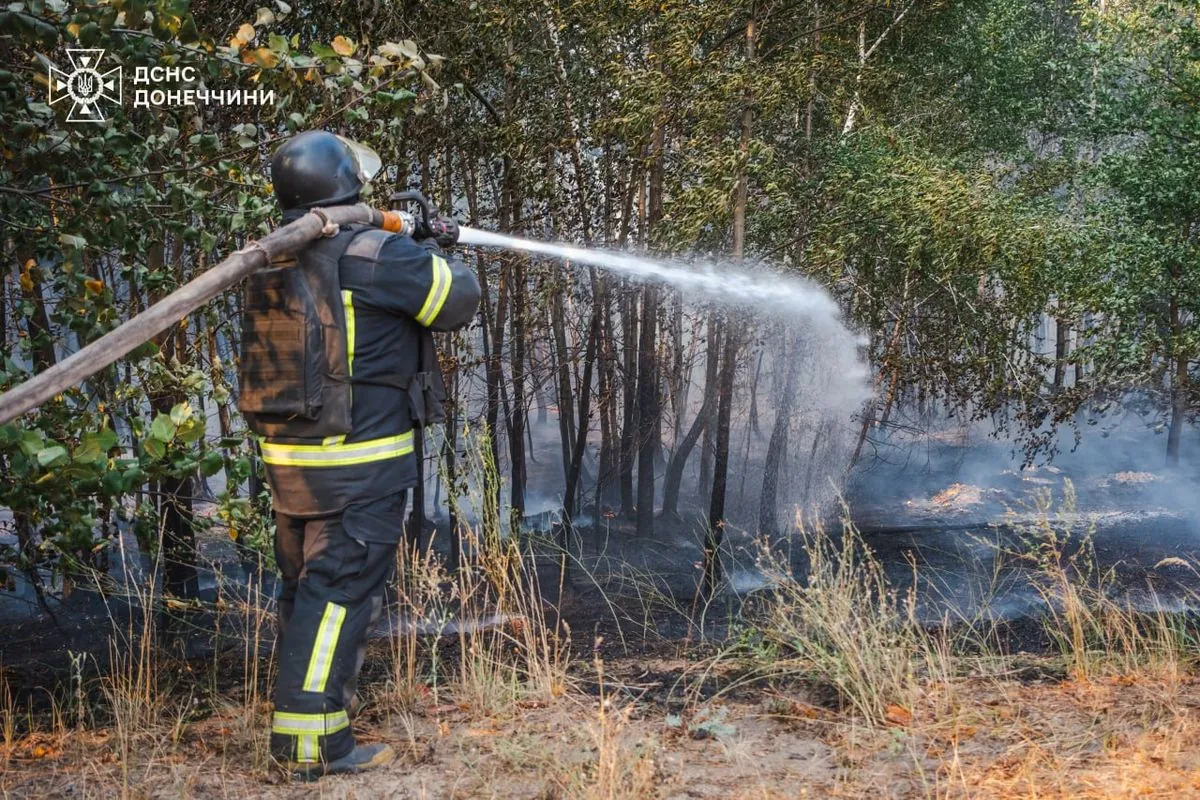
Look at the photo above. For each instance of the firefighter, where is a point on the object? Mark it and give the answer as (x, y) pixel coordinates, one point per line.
(338, 375)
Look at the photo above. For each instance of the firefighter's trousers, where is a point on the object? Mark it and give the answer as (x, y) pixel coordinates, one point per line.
(334, 570)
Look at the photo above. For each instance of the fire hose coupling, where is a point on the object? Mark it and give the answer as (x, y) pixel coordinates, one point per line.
(400, 222)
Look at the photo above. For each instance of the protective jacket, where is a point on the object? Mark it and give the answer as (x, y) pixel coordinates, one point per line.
(339, 367)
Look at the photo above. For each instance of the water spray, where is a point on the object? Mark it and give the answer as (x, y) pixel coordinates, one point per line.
(759, 292)
(729, 286)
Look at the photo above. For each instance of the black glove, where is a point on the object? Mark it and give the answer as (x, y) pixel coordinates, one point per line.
(444, 231)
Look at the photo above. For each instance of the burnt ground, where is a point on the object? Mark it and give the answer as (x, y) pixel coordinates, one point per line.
(652, 694)
(963, 549)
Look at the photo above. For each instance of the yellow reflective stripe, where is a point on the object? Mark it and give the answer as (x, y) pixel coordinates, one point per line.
(321, 660)
(337, 454)
(306, 748)
(293, 724)
(438, 292)
(348, 304)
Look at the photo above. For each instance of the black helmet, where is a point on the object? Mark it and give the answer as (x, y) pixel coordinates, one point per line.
(318, 168)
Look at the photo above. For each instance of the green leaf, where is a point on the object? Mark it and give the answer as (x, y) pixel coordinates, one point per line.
(154, 448)
(181, 412)
(52, 456)
(211, 463)
(113, 483)
(94, 446)
(32, 442)
(88, 450)
(191, 431)
(162, 429)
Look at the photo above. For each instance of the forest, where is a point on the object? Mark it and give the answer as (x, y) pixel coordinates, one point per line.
(979, 220)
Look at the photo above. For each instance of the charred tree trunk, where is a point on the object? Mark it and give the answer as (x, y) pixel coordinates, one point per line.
(711, 366)
(674, 477)
(648, 412)
(768, 506)
(649, 407)
(585, 394)
(679, 383)
(629, 387)
(754, 426)
(716, 513)
(562, 369)
(519, 417)
(608, 458)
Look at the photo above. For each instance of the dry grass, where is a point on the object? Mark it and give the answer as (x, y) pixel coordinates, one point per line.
(843, 625)
(835, 690)
(1093, 624)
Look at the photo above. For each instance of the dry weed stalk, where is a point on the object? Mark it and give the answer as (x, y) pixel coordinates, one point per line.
(1094, 624)
(844, 625)
(509, 651)
(623, 769)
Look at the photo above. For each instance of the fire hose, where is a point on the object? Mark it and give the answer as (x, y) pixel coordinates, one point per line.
(255, 256)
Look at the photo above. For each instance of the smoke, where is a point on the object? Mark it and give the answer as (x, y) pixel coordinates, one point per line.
(1117, 464)
(787, 324)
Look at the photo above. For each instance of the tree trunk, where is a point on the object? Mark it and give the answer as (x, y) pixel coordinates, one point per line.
(679, 382)
(520, 411)
(754, 426)
(1062, 333)
(674, 477)
(585, 392)
(711, 366)
(629, 387)
(608, 447)
(564, 399)
(768, 506)
(648, 412)
(716, 512)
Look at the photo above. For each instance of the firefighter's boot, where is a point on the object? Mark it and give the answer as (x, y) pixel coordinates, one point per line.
(363, 757)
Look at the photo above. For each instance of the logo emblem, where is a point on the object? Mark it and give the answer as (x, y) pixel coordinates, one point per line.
(85, 85)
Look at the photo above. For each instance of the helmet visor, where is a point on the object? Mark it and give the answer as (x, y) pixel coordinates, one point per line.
(367, 162)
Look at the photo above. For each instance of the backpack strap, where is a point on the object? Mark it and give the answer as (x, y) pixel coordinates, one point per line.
(368, 243)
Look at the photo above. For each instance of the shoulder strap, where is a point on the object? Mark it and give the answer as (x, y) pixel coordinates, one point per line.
(368, 243)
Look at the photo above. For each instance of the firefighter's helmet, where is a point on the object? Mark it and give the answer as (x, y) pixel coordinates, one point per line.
(318, 168)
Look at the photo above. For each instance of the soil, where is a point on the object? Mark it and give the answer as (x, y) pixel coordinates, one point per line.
(639, 732)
